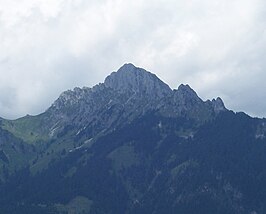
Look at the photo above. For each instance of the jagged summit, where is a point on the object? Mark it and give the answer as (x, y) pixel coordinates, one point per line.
(128, 67)
(218, 104)
(137, 80)
(71, 97)
(132, 90)
(185, 91)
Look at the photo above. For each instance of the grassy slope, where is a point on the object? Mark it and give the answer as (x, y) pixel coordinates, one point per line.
(30, 129)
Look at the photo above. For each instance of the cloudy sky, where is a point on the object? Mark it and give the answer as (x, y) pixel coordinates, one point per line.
(218, 47)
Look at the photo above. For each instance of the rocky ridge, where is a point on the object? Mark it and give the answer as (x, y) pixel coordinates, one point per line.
(123, 96)
(130, 91)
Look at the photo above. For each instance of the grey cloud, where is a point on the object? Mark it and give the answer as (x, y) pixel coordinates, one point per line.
(218, 47)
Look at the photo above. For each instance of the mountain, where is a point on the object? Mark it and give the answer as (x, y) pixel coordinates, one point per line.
(133, 145)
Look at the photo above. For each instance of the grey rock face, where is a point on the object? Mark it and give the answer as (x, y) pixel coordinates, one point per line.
(71, 97)
(126, 95)
(185, 95)
(132, 79)
(218, 105)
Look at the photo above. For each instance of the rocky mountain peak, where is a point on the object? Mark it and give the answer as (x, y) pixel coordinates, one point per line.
(187, 91)
(71, 97)
(130, 78)
(131, 90)
(128, 67)
(186, 94)
(218, 105)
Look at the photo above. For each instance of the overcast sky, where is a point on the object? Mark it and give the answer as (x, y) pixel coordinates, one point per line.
(218, 47)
